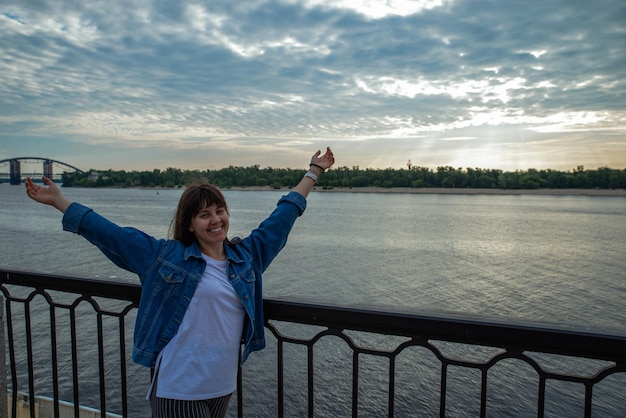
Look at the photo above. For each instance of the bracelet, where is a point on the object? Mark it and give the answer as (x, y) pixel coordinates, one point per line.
(318, 166)
(311, 176)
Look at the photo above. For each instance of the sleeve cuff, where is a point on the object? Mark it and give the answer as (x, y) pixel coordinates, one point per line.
(296, 199)
(73, 216)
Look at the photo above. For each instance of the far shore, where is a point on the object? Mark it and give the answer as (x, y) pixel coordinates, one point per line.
(428, 190)
(441, 190)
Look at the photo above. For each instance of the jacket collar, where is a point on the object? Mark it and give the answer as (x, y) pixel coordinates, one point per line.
(231, 254)
(194, 251)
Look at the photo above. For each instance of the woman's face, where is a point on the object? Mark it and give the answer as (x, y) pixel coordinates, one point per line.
(210, 225)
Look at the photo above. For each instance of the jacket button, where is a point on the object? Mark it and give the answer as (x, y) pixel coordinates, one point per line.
(232, 276)
(245, 297)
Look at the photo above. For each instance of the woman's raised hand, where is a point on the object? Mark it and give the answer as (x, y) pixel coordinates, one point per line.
(324, 161)
(50, 195)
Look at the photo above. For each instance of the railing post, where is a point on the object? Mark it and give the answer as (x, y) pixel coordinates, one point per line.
(4, 404)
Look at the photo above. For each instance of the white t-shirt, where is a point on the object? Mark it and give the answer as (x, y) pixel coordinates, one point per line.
(201, 361)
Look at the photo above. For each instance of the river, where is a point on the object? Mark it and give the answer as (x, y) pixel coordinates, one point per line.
(549, 259)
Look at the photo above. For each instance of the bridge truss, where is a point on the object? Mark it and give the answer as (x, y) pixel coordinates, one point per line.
(15, 170)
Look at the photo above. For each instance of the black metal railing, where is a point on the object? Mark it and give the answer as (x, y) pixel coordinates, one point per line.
(353, 362)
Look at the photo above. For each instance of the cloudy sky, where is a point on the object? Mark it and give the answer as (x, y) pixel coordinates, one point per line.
(147, 84)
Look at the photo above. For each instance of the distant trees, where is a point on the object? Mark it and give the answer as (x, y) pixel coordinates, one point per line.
(448, 177)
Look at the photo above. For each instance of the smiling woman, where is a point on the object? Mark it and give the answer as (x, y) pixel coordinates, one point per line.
(198, 274)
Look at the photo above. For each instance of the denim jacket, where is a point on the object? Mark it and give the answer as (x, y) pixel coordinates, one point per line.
(169, 272)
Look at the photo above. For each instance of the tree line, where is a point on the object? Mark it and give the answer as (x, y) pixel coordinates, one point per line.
(413, 176)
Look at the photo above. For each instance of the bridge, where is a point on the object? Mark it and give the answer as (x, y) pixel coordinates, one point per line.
(15, 173)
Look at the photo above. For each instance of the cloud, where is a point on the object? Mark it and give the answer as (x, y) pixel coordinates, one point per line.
(265, 80)
(377, 9)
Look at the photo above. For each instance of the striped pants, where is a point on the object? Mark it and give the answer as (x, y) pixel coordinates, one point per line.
(177, 408)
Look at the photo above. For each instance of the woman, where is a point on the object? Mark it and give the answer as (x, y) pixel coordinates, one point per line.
(201, 294)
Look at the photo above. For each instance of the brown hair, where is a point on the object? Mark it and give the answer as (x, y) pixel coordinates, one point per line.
(193, 200)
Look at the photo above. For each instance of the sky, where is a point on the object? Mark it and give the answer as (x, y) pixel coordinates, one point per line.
(152, 84)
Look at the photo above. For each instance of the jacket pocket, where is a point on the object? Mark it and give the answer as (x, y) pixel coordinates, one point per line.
(171, 273)
(247, 276)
